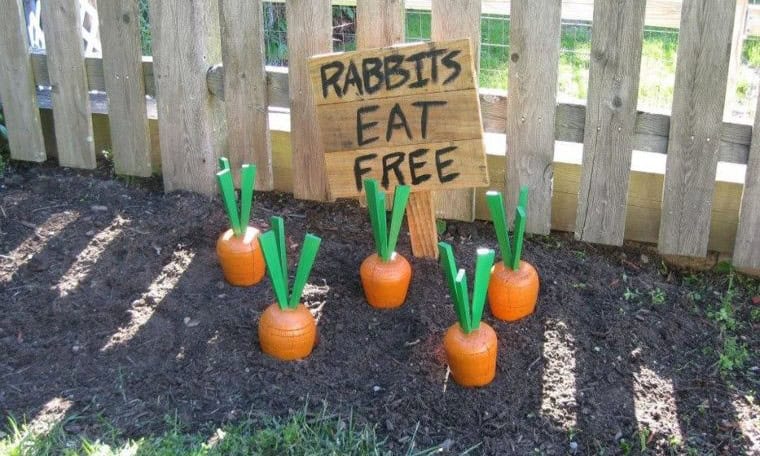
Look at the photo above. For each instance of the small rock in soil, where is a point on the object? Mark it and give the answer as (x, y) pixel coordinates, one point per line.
(98, 208)
(644, 259)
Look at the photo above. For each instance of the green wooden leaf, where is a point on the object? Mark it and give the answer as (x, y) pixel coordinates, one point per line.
(228, 195)
(247, 178)
(463, 297)
(269, 248)
(400, 198)
(496, 208)
(224, 164)
(371, 190)
(448, 263)
(519, 235)
(278, 226)
(382, 224)
(483, 267)
(522, 201)
(305, 263)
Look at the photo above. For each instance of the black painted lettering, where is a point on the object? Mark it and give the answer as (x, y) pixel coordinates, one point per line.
(433, 54)
(449, 62)
(393, 161)
(361, 125)
(359, 171)
(419, 64)
(372, 68)
(415, 165)
(393, 67)
(424, 116)
(397, 113)
(332, 79)
(353, 78)
(440, 165)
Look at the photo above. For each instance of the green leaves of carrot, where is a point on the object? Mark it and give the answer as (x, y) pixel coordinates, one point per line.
(469, 313)
(275, 256)
(510, 254)
(224, 178)
(238, 220)
(385, 238)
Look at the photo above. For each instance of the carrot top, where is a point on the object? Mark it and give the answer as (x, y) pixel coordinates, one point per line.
(238, 220)
(275, 256)
(385, 237)
(468, 312)
(509, 255)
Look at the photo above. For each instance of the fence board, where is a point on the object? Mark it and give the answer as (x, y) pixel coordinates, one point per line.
(610, 120)
(452, 19)
(379, 23)
(309, 33)
(71, 107)
(695, 127)
(190, 119)
(123, 77)
(242, 26)
(747, 246)
(22, 118)
(534, 59)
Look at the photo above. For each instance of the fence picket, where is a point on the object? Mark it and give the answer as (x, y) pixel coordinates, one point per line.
(379, 23)
(610, 120)
(534, 60)
(747, 246)
(123, 74)
(22, 118)
(695, 127)
(309, 33)
(190, 119)
(453, 19)
(245, 83)
(71, 104)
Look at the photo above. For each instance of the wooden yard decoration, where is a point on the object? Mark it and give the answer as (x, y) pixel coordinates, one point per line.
(402, 115)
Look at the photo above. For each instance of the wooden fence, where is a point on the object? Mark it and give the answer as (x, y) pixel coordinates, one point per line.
(209, 93)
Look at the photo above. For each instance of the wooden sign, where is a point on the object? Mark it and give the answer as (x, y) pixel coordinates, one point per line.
(406, 114)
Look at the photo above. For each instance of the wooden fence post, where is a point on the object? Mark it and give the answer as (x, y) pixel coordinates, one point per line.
(747, 246)
(245, 88)
(735, 63)
(123, 74)
(71, 102)
(17, 88)
(190, 119)
(610, 120)
(695, 126)
(453, 19)
(534, 63)
(309, 33)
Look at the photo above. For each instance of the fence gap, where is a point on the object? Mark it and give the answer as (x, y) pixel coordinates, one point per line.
(695, 126)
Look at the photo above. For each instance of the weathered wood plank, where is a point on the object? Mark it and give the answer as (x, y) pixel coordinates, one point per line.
(247, 114)
(22, 118)
(379, 23)
(747, 247)
(423, 235)
(71, 108)
(735, 63)
(534, 41)
(190, 120)
(309, 33)
(453, 19)
(610, 120)
(695, 127)
(123, 74)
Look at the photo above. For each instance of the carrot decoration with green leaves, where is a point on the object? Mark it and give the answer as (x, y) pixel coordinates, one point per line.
(385, 274)
(470, 344)
(287, 330)
(238, 247)
(513, 291)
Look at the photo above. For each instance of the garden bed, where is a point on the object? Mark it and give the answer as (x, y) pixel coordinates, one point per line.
(112, 307)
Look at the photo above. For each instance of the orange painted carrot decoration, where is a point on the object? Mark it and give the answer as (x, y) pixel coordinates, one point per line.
(385, 274)
(513, 290)
(470, 344)
(287, 330)
(238, 248)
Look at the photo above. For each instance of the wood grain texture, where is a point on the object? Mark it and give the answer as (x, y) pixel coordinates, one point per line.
(22, 118)
(248, 139)
(534, 48)
(610, 120)
(423, 233)
(190, 119)
(747, 247)
(309, 33)
(453, 19)
(735, 62)
(379, 23)
(695, 127)
(123, 78)
(71, 108)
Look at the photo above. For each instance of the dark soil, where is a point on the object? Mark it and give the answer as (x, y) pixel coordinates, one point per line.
(112, 307)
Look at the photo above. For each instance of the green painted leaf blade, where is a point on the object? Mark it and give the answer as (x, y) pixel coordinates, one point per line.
(305, 263)
(519, 236)
(247, 178)
(382, 225)
(371, 190)
(278, 227)
(448, 263)
(400, 198)
(228, 196)
(483, 266)
(522, 201)
(495, 203)
(224, 164)
(269, 248)
(464, 300)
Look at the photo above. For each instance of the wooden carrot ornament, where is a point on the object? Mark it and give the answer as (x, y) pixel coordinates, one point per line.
(470, 344)
(385, 274)
(287, 330)
(238, 247)
(513, 290)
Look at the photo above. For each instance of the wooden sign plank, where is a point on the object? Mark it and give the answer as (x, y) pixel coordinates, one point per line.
(17, 86)
(399, 121)
(248, 139)
(610, 120)
(309, 33)
(747, 246)
(71, 104)
(456, 204)
(695, 126)
(534, 56)
(123, 73)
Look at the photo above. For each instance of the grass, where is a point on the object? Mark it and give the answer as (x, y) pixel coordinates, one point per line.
(302, 433)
